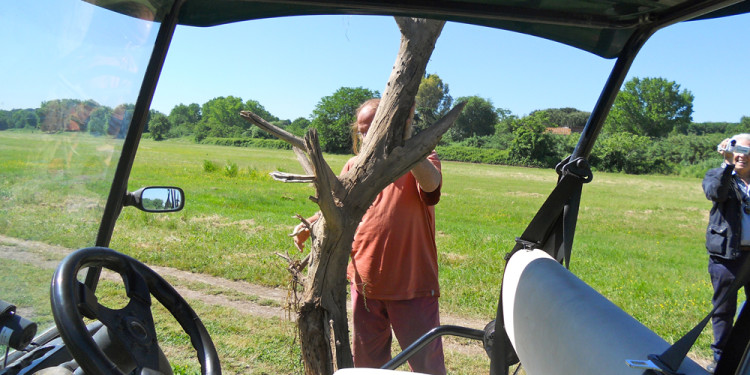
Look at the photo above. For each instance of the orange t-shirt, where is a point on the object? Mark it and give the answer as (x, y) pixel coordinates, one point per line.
(394, 256)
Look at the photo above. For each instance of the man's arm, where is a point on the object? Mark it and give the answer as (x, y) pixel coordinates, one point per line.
(427, 175)
(718, 182)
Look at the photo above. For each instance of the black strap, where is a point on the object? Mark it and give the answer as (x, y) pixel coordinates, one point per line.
(563, 201)
(736, 344)
(672, 358)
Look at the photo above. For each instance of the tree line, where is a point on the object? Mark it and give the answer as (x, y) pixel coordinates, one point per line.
(649, 128)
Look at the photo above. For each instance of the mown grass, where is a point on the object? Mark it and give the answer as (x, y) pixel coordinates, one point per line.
(53, 187)
(639, 239)
(247, 344)
(15, 281)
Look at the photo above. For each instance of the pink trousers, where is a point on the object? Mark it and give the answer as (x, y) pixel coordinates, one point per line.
(410, 319)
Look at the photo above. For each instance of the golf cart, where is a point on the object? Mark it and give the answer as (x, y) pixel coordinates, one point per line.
(546, 317)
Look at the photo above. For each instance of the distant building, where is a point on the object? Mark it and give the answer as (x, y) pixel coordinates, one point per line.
(564, 130)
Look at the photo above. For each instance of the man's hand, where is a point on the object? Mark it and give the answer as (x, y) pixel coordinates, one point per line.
(301, 233)
(728, 156)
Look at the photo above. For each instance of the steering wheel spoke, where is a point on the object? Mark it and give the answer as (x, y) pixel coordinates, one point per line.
(87, 302)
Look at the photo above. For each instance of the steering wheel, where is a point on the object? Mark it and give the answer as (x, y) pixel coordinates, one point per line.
(133, 325)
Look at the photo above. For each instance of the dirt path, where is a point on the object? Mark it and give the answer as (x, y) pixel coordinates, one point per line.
(256, 300)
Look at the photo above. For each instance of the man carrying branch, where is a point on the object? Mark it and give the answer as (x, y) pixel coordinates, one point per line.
(394, 271)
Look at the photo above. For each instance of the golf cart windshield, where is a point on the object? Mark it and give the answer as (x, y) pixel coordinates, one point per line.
(69, 134)
(58, 158)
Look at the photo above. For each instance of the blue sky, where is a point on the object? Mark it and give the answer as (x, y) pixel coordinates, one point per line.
(289, 64)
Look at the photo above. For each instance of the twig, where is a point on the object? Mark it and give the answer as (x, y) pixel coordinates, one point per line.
(274, 130)
(290, 177)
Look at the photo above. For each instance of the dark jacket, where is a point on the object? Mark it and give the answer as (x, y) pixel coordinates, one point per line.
(723, 234)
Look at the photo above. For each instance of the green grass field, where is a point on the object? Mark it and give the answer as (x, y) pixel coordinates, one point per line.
(639, 239)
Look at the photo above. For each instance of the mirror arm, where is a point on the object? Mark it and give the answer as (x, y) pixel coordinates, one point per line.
(132, 199)
(129, 200)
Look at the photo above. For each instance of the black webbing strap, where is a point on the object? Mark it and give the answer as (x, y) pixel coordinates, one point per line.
(672, 358)
(564, 200)
(570, 218)
(736, 345)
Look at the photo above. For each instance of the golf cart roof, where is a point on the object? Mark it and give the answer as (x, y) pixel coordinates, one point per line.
(600, 27)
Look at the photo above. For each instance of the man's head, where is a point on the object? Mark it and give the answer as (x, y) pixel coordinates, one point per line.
(364, 116)
(742, 160)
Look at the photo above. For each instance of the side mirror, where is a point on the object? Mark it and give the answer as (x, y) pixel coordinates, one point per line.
(156, 199)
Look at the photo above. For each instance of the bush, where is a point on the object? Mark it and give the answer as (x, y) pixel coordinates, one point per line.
(472, 155)
(629, 153)
(687, 149)
(230, 169)
(697, 170)
(247, 142)
(209, 166)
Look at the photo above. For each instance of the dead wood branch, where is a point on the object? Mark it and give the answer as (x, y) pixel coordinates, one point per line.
(274, 130)
(303, 160)
(387, 154)
(327, 184)
(290, 177)
(383, 158)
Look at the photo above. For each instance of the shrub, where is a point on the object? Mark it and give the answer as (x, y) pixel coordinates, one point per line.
(472, 155)
(209, 166)
(247, 142)
(697, 170)
(629, 153)
(230, 169)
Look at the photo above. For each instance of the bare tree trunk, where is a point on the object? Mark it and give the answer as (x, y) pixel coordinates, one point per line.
(386, 155)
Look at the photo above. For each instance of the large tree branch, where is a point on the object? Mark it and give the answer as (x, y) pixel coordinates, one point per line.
(377, 160)
(327, 184)
(389, 125)
(303, 160)
(386, 155)
(274, 130)
(401, 160)
(298, 144)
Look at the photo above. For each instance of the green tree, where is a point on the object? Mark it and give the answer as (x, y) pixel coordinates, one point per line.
(183, 119)
(433, 101)
(299, 126)
(531, 144)
(24, 119)
(53, 116)
(745, 122)
(81, 115)
(159, 126)
(222, 117)
(4, 120)
(65, 115)
(119, 122)
(651, 107)
(99, 120)
(686, 149)
(626, 152)
(477, 119)
(334, 114)
(201, 131)
(255, 107)
(566, 117)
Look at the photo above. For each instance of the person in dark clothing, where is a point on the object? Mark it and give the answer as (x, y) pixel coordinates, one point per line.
(728, 232)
